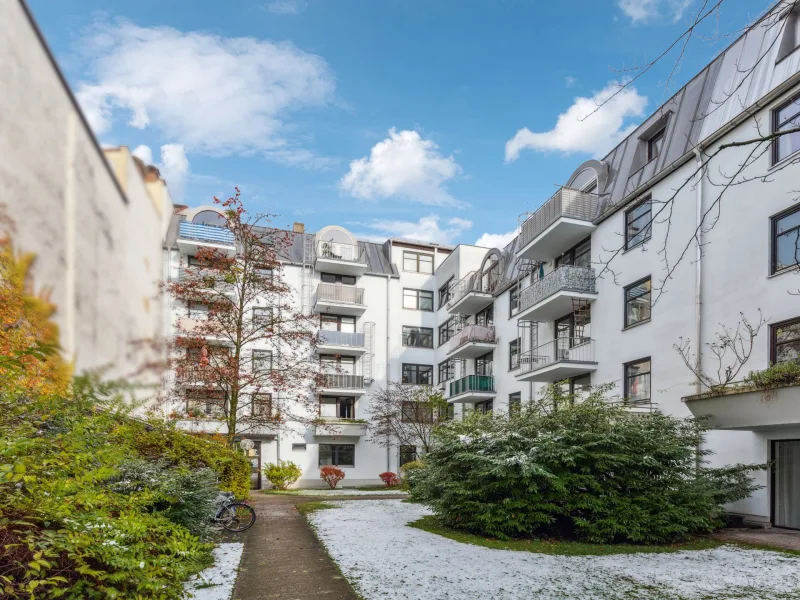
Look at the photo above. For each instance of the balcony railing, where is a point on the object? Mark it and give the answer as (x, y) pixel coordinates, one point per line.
(347, 294)
(472, 333)
(342, 381)
(341, 338)
(575, 350)
(205, 233)
(565, 278)
(209, 279)
(566, 202)
(472, 383)
(340, 251)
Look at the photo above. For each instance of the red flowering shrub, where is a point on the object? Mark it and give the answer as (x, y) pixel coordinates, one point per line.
(390, 479)
(331, 475)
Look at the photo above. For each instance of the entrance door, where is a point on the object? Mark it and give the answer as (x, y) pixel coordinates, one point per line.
(786, 489)
(254, 456)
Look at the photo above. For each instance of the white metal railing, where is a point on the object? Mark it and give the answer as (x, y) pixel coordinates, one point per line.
(340, 251)
(566, 202)
(341, 338)
(343, 381)
(471, 333)
(483, 283)
(564, 278)
(576, 350)
(340, 293)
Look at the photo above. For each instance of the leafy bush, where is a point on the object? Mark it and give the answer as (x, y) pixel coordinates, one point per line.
(407, 472)
(390, 478)
(785, 373)
(331, 475)
(586, 471)
(283, 475)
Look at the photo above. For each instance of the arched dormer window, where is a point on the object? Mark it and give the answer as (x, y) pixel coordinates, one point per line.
(210, 217)
(490, 273)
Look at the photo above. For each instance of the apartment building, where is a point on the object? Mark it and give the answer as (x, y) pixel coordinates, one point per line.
(638, 250)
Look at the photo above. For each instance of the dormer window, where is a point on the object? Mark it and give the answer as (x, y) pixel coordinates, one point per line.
(655, 143)
(790, 39)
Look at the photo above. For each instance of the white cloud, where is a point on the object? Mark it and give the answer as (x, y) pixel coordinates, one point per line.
(497, 240)
(403, 165)
(570, 81)
(174, 166)
(214, 95)
(645, 11)
(584, 127)
(287, 7)
(427, 229)
(144, 153)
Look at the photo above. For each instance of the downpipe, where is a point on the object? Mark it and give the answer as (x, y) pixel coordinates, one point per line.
(698, 281)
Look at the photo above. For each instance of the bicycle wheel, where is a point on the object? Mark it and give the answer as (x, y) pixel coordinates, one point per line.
(237, 516)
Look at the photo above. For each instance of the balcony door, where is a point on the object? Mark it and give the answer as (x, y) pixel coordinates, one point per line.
(337, 407)
(786, 484)
(345, 365)
(565, 331)
(484, 364)
(338, 323)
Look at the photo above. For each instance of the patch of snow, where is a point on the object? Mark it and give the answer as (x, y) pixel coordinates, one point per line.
(385, 559)
(347, 492)
(217, 581)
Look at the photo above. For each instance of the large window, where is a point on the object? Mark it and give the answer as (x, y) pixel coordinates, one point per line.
(637, 302)
(487, 406)
(407, 454)
(579, 255)
(262, 361)
(417, 262)
(339, 455)
(785, 342)
(637, 381)
(486, 316)
(515, 403)
(447, 370)
(445, 293)
(416, 412)
(655, 144)
(786, 240)
(513, 354)
(417, 299)
(337, 407)
(261, 405)
(784, 118)
(341, 279)
(638, 223)
(338, 323)
(483, 364)
(418, 374)
(446, 330)
(418, 337)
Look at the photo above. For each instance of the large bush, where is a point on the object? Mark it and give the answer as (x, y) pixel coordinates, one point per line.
(585, 471)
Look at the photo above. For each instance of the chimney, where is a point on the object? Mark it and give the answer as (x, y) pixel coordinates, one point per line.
(299, 228)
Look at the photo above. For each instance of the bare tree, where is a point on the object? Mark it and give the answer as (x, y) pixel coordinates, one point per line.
(406, 415)
(731, 349)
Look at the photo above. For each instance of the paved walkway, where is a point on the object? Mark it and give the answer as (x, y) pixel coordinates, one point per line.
(785, 539)
(283, 560)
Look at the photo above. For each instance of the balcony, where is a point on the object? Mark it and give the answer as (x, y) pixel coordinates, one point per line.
(192, 236)
(342, 384)
(343, 343)
(748, 409)
(339, 299)
(472, 341)
(208, 283)
(552, 296)
(557, 360)
(560, 223)
(472, 388)
(468, 296)
(340, 428)
(342, 259)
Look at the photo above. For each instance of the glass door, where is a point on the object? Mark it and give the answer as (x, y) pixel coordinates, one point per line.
(786, 483)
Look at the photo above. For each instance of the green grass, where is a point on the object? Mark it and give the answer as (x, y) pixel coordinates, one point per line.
(309, 507)
(562, 548)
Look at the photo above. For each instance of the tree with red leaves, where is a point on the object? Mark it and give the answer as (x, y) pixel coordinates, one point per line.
(243, 355)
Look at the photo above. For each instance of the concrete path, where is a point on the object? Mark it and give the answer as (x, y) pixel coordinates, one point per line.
(283, 560)
(780, 539)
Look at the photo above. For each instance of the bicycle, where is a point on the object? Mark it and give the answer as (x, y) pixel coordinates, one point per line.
(234, 515)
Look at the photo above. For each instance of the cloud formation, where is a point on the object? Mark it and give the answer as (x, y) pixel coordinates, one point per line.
(646, 11)
(497, 240)
(404, 165)
(590, 125)
(427, 229)
(286, 7)
(174, 167)
(211, 94)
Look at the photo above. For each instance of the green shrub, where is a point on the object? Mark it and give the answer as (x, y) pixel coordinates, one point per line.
(785, 373)
(283, 475)
(584, 471)
(408, 471)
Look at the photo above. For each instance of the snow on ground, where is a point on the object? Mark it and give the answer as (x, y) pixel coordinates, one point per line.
(344, 492)
(216, 582)
(385, 559)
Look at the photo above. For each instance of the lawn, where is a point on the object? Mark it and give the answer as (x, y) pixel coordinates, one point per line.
(383, 557)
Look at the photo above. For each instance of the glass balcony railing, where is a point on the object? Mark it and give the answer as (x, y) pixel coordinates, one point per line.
(205, 233)
(342, 338)
(566, 202)
(565, 278)
(472, 383)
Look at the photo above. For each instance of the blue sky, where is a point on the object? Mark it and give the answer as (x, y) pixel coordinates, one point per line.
(441, 120)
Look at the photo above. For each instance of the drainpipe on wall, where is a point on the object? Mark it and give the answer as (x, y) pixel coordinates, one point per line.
(388, 322)
(698, 279)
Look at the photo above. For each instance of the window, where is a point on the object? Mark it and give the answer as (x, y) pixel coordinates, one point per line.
(786, 117)
(210, 217)
(418, 374)
(337, 407)
(261, 405)
(195, 309)
(263, 317)
(338, 323)
(447, 370)
(298, 447)
(193, 261)
(655, 144)
(210, 403)
(786, 240)
(637, 381)
(486, 316)
(577, 387)
(447, 413)
(487, 406)
(513, 301)
(417, 337)
(339, 455)
(417, 299)
(571, 333)
(414, 412)
(262, 361)
(579, 255)
(407, 454)
(515, 403)
(513, 354)
(785, 342)
(446, 330)
(637, 302)
(638, 224)
(417, 262)
(340, 279)
(445, 293)
(483, 364)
